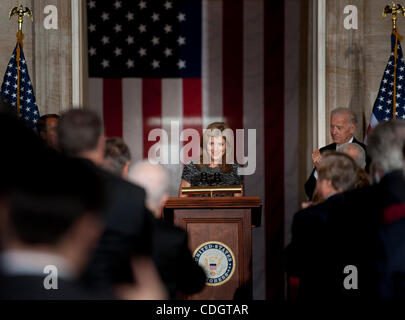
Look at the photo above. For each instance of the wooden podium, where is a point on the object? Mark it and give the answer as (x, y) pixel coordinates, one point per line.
(220, 238)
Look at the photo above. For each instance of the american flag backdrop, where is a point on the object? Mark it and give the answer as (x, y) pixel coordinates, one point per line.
(196, 62)
(391, 95)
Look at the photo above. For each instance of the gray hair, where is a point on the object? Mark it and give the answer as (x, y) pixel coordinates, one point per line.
(361, 158)
(385, 145)
(153, 178)
(116, 154)
(79, 130)
(340, 169)
(347, 111)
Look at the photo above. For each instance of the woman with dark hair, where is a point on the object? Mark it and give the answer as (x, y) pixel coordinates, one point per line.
(215, 167)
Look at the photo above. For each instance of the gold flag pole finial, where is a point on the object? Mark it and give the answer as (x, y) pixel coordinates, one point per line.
(394, 10)
(20, 12)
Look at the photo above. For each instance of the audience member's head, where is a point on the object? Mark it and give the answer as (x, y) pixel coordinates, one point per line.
(385, 145)
(336, 173)
(117, 156)
(80, 135)
(6, 107)
(156, 182)
(357, 153)
(24, 154)
(47, 129)
(343, 123)
(24, 149)
(363, 179)
(60, 216)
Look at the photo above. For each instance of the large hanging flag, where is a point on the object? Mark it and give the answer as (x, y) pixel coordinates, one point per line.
(17, 87)
(152, 62)
(390, 102)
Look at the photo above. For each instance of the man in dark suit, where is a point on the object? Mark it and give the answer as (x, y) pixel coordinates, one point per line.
(342, 127)
(127, 222)
(356, 232)
(389, 207)
(308, 255)
(392, 267)
(179, 272)
(358, 229)
(50, 227)
(45, 218)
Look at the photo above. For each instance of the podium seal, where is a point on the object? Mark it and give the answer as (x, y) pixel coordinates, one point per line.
(217, 260)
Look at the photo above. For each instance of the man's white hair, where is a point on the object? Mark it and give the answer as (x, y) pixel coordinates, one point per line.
(153, 178)
(361, 158)
(347, 111)
(385, 145)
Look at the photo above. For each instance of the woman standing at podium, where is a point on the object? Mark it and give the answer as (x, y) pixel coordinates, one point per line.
(215, 172)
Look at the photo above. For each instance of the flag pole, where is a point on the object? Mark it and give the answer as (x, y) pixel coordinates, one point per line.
(20, 12)
(394, 10)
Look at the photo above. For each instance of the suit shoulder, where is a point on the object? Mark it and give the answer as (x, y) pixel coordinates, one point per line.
(308, 212)
(360, 143)
(320, 210)
(124, 184)
(362, 194)
(304, 216)
(163, 228)
(133, 187)
(331, 146)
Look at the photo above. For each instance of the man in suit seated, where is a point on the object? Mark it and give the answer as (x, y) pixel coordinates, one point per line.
(389, 207)
(170, 249)
(50, 225)
(356, 152)
(307, 256)
(358, 222)
(363, 243)
(46, 218)
(128, 224)
(343, 123)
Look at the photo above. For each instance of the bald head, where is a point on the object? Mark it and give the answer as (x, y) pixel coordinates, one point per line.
(156, 182)
(356, 152)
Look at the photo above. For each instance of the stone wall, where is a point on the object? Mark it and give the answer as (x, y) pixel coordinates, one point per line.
(356, 59)
(48, 52)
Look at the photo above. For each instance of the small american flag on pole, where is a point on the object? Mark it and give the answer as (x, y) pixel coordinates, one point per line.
(17, 85)
(390, 102)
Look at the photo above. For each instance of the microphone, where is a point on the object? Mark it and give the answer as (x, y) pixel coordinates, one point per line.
(217, 178)
(203, 178)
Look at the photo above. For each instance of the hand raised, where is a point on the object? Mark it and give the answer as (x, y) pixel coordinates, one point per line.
(316, 157)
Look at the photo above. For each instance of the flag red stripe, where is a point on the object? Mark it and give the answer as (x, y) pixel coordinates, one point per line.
(151, 110)
(232, 46)
(393, 213)
(112, 107)
(274, 145)
(192, 104)
(192, 107)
